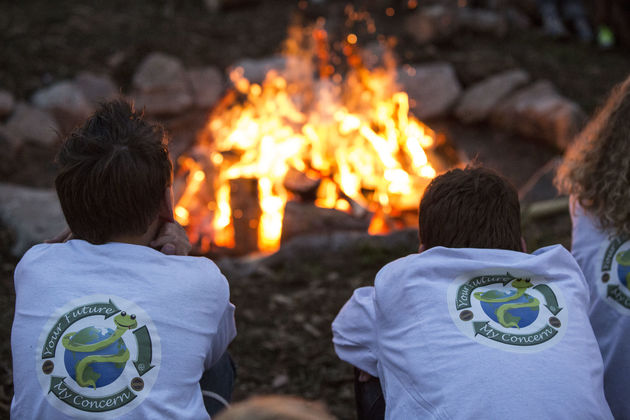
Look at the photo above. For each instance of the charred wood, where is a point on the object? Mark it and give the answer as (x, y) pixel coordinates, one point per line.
(301, 185)
(245, 213)
(306, 218)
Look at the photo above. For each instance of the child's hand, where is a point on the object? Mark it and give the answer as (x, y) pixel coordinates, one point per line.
(172, 240)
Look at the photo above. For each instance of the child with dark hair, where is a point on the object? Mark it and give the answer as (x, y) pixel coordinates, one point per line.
(105, 324)
(596, 174)
(472, 327)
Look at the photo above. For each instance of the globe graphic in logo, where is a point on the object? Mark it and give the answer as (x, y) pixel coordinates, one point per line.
(98, 370)
(622, 272)
(521, 316)
(623, 268)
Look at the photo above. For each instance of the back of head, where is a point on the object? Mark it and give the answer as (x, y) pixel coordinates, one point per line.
(470, 208)
(113, 173)
(596, 167)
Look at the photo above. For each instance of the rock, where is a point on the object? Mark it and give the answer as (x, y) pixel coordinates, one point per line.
(7, 102)
(31, 124)
(482, 21)
(539, 111)
(479, 99)
(161, 85)
(159, 72)
(66, 102)
(207, 86)
(33, 215)
(432, 88)
(255, 70)
(96, 87)
(432, 24)
(475, 65)
(438, 23)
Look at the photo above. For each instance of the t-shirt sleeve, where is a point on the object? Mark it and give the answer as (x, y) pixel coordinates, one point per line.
(354, 333)
(226, 331)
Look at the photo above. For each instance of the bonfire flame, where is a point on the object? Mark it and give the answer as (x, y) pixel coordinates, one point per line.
(353, 134)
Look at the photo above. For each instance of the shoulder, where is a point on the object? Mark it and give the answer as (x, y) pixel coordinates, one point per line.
(202, 265)
(38, 256)
(554, 257)
(422, 264)
(553, 251)
(201, 271)
(399, 268)
(357, 316)
(38, 251)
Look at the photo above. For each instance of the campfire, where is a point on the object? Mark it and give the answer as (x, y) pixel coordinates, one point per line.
(328, 136)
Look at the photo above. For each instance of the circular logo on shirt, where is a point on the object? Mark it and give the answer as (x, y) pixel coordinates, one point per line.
(98, 356)
(509, 310)
(613, 283)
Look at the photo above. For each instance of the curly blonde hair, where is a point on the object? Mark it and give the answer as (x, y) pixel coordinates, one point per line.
(596, 167)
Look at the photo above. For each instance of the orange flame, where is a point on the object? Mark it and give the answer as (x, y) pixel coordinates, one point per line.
(354, 132)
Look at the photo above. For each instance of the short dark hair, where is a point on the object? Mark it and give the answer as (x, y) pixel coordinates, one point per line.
(470, 208)
(113, 173)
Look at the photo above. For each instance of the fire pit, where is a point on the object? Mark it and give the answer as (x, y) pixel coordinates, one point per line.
(327, 142)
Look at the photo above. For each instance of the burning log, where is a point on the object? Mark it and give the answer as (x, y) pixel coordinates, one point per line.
(245, 213)
(356, 209)
(306, 218)
(343, 146)
(301, 185)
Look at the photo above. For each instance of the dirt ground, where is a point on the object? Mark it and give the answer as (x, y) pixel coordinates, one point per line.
(285, 306)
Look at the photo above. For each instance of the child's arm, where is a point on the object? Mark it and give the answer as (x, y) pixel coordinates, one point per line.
(354, 331)
(226, 332)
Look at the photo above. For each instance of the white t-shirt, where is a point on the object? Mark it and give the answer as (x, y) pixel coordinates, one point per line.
(115, 331)
(601, 258)
(477, 334)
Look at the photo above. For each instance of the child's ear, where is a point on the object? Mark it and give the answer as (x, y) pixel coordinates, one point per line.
(421, 248)
(166, 206)
(523, 245)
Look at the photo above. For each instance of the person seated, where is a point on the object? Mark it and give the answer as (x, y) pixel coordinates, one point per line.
(595, 174)
(105, 324)
(473, 327)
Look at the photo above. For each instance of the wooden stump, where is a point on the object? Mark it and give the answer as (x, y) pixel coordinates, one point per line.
(245, 213)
